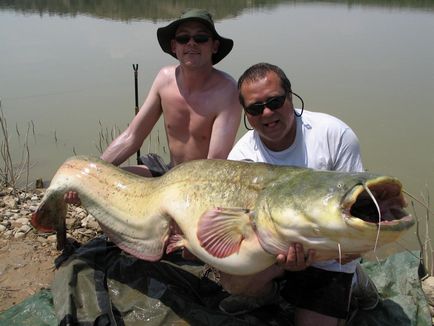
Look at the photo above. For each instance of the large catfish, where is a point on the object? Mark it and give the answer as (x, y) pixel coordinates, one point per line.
(235, 216)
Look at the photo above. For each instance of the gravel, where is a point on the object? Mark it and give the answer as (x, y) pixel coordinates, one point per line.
(16, 214)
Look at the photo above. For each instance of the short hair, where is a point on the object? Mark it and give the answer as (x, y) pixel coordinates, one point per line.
(260, 70)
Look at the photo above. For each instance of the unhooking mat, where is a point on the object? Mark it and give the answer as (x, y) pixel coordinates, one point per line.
(98, 284)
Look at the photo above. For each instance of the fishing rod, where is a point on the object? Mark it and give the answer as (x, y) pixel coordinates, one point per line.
(136, 109)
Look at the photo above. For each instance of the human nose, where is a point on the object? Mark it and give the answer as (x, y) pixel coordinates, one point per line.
(267, 111)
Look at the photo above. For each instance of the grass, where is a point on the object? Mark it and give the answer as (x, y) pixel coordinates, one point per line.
(424, 240)
(12, 173)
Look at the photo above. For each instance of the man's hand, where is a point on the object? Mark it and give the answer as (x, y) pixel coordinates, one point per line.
(295, 260)
(71, 197)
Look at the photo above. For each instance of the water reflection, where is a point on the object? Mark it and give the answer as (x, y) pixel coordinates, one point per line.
(155, 10)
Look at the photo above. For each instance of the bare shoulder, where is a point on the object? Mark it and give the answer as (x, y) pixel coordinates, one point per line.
(225, 79)
(224, 86)
(167, 70)
(165, 75)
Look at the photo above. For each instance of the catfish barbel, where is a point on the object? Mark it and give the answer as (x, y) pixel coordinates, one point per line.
(235, 216)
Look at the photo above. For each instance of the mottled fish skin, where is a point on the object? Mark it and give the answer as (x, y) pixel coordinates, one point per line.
(235, 216)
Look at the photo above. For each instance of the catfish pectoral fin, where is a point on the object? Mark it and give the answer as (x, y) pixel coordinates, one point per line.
(222, 230)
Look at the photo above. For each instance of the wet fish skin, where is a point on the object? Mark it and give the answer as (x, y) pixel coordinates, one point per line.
(235, 216)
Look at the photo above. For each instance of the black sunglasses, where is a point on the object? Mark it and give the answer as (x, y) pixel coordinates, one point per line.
(273, 103)
(199, 38)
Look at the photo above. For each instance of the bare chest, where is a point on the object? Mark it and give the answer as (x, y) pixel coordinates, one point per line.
(194, 113)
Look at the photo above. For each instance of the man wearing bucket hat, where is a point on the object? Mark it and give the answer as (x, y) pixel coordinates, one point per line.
(199, 103)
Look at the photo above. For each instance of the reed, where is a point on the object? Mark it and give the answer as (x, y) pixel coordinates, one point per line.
(106, 136)
(153, 142)
(11, 172)
(425, 242)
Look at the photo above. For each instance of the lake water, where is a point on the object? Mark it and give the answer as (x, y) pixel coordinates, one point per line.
(66, 76)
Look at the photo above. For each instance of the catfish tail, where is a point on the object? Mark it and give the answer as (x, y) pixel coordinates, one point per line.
(50, 216)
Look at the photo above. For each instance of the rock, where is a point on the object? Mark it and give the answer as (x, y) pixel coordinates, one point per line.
(70, 222)
(7, 214)
(7, 234)
(93, 225)
(14, 217)
(33, 208)
(52, 238)
(22, 220)
(428, 289)
(82, 215)
(10, 201)
(19, 235)
(42, 240)
(25, 228)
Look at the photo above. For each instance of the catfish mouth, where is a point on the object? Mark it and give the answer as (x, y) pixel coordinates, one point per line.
(383, 204)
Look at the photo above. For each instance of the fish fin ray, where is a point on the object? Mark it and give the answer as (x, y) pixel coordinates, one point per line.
(175, 242)
(222, 230)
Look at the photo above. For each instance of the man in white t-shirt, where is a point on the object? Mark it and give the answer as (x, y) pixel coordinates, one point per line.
(282, 135)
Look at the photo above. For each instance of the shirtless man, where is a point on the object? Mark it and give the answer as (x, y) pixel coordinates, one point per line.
(198, 102)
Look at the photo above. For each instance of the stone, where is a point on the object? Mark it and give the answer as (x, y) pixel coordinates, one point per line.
(7, 214)
(70, 222)
(5, 223)
(52, 238)
(22, 220)
(33, 208)
(428, 289)
(25, 228)
(10, 201)
(19, 235)
(93, 225)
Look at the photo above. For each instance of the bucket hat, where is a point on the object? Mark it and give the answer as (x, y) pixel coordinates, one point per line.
(166, 34)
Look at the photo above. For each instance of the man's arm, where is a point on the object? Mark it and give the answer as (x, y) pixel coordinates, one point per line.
(130, 140)
(225, 126)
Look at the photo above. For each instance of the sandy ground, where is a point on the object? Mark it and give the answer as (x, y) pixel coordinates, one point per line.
(26, 266)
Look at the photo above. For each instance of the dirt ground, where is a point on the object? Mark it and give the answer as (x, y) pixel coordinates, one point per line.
(26, 266)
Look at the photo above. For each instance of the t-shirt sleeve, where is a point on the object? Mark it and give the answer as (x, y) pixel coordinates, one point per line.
(243, 149)
(348, 157)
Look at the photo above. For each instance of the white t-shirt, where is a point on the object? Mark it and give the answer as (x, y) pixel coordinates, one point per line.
(322, 142)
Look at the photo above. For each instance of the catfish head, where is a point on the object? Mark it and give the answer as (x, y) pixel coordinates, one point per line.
(334, 213)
